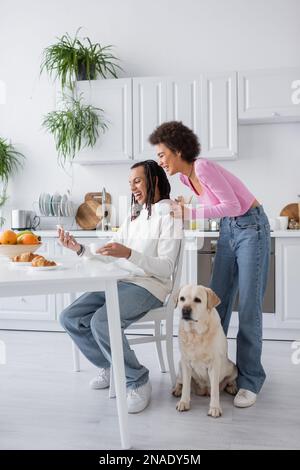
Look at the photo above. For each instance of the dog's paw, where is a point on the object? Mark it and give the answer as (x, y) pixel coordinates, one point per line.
(231, 388)
(215, 412)
(177, 390)
(182, 406)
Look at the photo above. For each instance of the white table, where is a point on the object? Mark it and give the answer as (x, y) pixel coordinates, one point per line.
(79, 276)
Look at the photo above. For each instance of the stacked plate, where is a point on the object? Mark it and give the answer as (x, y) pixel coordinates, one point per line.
(56, 205)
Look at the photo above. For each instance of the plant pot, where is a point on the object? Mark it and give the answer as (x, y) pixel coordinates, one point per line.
(82, 72)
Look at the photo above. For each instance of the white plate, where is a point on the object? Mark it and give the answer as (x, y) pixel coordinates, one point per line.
(41, 208)
(44, 204)
(70, 209)
(19, 264)
(57, 200)
(63, 204)
(47, 204)
(44, 268)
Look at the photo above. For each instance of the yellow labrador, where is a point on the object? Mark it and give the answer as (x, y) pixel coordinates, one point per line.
(204, 363)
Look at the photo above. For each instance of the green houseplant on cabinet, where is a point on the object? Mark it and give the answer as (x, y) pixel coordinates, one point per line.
(73, 59)
(74, 127)
(10, 162)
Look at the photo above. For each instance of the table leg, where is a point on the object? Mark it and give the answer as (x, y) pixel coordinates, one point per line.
(191, 253)
(76, 357)
(75, 350)
(114, 323)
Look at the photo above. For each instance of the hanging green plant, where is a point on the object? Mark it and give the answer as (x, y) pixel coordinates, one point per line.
(10, 162)
(74, 127)
(73, 59)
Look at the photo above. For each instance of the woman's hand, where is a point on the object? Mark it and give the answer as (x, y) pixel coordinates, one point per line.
(178, 209)
(67, 240)
(114, 249)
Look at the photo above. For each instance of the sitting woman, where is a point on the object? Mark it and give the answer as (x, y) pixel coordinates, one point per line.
(147, 246)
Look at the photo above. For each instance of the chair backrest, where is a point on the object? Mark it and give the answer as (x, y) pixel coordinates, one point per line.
(176, 276)
(170, 301)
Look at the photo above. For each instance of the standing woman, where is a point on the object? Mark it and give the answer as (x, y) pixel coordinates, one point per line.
(242, 258)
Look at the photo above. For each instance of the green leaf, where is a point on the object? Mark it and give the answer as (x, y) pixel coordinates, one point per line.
(74, 128)
(61, 60)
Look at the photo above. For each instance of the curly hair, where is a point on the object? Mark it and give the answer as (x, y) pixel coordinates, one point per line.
(153, 170)
(178, 138)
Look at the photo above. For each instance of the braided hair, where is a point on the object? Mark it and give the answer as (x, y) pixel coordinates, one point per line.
(152, 171)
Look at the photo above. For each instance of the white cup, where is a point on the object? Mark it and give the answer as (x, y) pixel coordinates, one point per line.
(96, 245)
(283, 222)
(274, 224)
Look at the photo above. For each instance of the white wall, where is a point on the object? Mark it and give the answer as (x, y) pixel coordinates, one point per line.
(161, 37)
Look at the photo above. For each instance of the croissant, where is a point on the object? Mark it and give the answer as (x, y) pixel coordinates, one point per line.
(41, 261)
(24, 257)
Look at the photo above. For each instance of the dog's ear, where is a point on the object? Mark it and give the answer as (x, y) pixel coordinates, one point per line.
(212, 299)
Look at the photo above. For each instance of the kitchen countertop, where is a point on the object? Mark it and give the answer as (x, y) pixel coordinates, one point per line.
(187, 233)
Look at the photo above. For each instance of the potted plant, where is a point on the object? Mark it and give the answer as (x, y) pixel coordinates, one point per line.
(71, 59)
(74, 127)
(10, 161)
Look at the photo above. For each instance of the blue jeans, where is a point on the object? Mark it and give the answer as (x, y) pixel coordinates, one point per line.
(86, 322)
(242, 263)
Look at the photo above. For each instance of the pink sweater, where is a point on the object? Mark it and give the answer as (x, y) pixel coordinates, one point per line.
(223, 195)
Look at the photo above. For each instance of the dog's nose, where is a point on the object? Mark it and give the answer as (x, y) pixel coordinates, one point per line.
(186, 313)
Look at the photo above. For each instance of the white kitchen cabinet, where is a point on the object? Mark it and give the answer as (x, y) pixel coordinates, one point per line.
(219, 116)
(184, 102)
(207, 105)
(35, 307)
(115, 98)
(149, 111)
(269, 95)
(287, 282)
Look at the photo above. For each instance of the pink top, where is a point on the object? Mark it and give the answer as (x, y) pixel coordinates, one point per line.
(223, 194)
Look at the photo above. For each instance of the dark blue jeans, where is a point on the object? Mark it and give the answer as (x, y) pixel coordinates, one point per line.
(242, 263)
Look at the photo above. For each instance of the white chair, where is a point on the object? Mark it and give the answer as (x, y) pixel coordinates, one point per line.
(157, 320)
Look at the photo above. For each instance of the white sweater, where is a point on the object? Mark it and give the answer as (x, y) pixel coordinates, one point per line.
(154, 245)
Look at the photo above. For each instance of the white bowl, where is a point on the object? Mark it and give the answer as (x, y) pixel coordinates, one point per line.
(13, 250)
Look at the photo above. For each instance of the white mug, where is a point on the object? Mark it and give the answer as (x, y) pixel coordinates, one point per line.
(96, 245)
(283, 222)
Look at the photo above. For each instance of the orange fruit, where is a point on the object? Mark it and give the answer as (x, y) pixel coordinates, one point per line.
(28, 239)
(8, 237)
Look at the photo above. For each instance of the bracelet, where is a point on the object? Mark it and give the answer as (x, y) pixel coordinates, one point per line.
(81, 250)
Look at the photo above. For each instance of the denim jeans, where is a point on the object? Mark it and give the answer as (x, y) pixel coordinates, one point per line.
(86, 322)
(242, 263)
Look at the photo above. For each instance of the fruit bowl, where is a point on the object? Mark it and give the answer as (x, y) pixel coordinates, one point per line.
(13, 250)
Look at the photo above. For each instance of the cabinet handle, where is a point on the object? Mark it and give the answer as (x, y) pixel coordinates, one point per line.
(275, 114)
(23, 299)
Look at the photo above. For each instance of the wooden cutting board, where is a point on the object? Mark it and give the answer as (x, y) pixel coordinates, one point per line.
(89, 214)
(292, 211)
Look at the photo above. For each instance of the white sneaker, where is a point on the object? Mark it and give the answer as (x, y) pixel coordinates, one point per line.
(138, 398)
(102, 380)
(244, 398)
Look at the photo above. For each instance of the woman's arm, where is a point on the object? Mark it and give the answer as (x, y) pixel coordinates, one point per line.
(229, 205)
(116, 242)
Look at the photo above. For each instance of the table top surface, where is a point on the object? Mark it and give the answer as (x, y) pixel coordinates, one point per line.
(68, 270)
